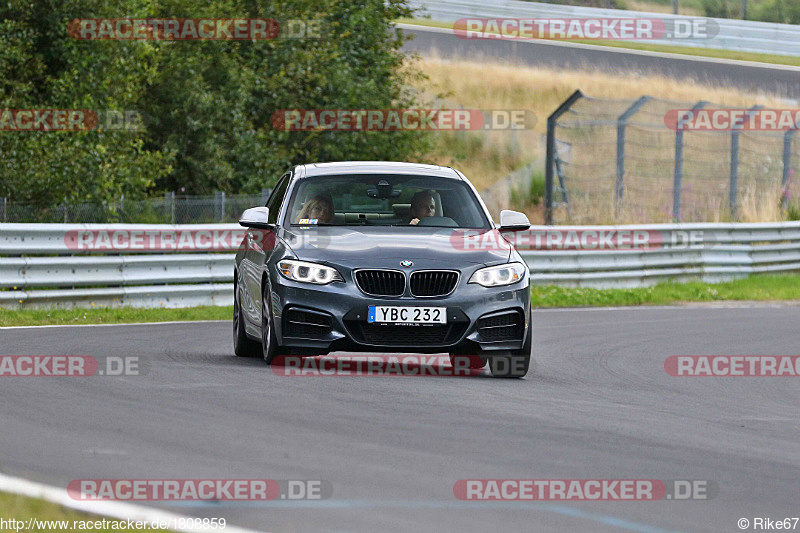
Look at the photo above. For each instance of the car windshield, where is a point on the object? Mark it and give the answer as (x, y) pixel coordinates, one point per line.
(385, 200)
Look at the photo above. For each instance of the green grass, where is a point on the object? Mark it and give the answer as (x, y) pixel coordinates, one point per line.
(120, 315)
(684, 50)
(23, 508)
(753, 288)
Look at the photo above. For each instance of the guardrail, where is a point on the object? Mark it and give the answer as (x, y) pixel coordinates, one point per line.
(739, 35)
(40, 268)
(41, 265)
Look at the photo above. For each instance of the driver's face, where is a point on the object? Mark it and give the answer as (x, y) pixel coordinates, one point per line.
(320, 211)
(425, 208)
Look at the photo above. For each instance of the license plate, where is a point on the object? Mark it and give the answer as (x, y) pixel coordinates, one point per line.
(383, 314)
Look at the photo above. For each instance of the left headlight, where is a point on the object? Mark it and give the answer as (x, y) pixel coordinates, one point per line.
(306, 272)
(500, 275)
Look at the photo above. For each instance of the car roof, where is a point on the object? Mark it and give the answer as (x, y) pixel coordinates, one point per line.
(375, 167)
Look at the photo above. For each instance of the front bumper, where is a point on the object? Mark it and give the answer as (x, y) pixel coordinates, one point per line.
(313, 320)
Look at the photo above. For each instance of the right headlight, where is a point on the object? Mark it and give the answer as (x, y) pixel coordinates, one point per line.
(499, 275)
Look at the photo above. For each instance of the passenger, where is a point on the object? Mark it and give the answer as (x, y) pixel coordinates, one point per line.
(422, 205)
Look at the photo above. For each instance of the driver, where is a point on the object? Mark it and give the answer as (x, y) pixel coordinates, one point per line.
(319, 207)
(422, 205)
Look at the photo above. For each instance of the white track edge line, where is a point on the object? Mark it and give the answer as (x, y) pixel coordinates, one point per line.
(118, 510)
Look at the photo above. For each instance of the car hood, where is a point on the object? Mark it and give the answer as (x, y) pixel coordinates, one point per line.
(365, 244)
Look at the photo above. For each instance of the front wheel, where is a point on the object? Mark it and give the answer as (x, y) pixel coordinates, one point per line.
(243, 346)
(269, 342)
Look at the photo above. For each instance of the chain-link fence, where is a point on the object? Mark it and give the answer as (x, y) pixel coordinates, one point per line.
(620, 161)
(169, 209)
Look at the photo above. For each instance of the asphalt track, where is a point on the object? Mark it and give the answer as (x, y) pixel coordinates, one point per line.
(779, 80)
(598, 404)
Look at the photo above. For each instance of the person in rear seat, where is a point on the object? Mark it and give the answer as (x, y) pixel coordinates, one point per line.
(422, 205)
(319, 207)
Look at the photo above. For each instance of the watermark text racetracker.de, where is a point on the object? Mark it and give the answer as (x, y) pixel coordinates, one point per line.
(195, 29)
(583, 489)
(38, 366)
(58, 120)
(104, 524)
(402, 119)
(585, 239)
(605, 28)
(199, 490)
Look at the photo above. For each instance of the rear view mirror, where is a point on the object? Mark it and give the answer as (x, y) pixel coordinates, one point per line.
(255, 217)
(384, 190)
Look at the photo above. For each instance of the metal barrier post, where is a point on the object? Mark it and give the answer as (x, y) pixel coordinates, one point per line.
(676, 185)
(622, 121)
(551, 149)
(787, 166)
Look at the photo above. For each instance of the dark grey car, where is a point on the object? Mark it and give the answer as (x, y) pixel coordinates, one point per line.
(381, 257)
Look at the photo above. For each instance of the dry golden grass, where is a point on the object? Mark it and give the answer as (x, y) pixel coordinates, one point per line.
(487, 157)
(652, 7)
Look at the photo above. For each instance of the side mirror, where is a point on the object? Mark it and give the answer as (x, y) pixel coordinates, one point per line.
(255, 217)
(513, 220)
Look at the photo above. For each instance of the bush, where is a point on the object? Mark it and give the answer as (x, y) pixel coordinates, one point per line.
(724, 9)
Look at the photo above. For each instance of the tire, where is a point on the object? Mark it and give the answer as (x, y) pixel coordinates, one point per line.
(516, 363)
(243, 346)
(269, 342)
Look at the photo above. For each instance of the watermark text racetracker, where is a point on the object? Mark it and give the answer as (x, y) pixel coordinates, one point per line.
(378, 365)
(607, 28)
(779, 120)
(199, 490)
(402, 119)
(157, 239)
(583, 489)
(72, 366)
(733, 365)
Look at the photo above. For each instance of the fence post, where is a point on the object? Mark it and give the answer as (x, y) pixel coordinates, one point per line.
(551, 149)
(787, 167)
(733, 193)
(169, 201)
(676, 185)
(622, 121)
(219, 205)
(5, 208)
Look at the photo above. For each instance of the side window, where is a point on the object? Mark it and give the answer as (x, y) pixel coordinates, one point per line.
(276, 198)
